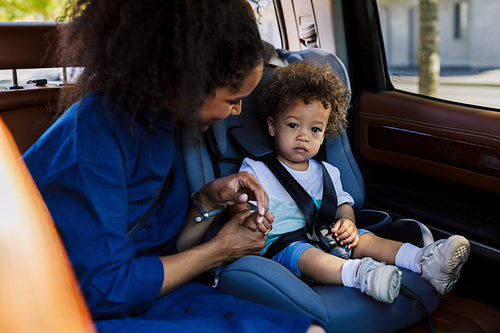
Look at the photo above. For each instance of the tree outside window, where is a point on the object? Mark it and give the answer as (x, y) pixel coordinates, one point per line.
(31, 10)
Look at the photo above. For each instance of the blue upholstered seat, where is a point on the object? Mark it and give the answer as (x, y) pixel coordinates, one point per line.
(214, 154)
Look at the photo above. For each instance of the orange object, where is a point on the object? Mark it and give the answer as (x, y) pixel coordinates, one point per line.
(38, 289)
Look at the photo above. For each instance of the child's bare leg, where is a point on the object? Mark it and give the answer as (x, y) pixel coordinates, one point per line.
(321, 267)
(378, 248)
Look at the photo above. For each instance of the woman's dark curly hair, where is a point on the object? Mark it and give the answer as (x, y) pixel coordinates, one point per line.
(154, 54)
(308, 82)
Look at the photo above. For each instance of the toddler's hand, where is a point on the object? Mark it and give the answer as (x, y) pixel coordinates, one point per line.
(258, 223)
(345, 232)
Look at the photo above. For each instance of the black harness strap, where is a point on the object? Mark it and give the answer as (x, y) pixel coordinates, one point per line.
(296, 191)
(329, 203)
(318, 224)
(283, 241)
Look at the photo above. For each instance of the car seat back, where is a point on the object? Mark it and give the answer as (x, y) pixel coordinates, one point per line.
(219, 154)
(218, 151)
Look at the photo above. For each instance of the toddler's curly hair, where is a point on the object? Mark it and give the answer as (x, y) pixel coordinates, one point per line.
(306, 81)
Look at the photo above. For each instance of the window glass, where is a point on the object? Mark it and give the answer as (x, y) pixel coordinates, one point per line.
(28, 78)
(33, 11)
(268, 23)
(457, 56)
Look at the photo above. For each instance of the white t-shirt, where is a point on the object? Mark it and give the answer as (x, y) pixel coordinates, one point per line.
(288, 216)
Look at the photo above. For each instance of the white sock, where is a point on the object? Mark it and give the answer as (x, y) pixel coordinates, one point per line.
(407, 258)
(349, 269)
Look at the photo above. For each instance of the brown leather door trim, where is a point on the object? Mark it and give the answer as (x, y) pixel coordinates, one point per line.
(12, 99)
(475, 157)
(26, 45)
(28, 112)
(447, 141)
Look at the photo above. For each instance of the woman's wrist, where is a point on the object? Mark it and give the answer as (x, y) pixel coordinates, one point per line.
(205, 207)
(203, 198)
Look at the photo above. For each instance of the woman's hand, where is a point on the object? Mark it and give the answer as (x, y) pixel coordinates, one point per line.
(234, 240)
(237, 239)
(235, 189)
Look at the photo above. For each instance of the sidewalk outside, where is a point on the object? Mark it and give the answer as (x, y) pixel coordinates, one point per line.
(451, 77)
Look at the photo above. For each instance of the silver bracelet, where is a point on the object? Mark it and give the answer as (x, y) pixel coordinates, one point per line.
(204, 215)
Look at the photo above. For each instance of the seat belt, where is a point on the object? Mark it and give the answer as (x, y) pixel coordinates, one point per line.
(318, 224)
(404, 290)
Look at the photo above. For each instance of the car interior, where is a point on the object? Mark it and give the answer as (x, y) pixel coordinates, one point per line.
(419, 169)
(238, 136)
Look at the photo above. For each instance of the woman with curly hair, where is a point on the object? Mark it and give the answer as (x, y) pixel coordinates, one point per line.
(303, 103)
(111, 172)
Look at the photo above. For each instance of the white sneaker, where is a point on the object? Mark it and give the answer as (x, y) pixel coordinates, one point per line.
(442, 261)
(380, 281)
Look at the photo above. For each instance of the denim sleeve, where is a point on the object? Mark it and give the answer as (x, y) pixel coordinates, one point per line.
(89, 207)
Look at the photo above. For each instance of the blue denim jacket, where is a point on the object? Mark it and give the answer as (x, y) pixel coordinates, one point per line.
(98, 174)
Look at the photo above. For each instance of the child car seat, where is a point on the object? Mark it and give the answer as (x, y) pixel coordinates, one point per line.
(216, 153)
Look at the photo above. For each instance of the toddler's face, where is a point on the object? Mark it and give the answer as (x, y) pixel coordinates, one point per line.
(299, 132)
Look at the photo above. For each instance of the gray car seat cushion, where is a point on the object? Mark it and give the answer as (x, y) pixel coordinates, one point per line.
(337, 308)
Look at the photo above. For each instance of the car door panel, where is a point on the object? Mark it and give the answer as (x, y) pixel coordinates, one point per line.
(444, 140)
(28, 111)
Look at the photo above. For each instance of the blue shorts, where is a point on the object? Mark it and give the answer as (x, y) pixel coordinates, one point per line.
(289, 256)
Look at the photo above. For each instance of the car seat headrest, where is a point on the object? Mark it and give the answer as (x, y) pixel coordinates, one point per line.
(246, 132)
(321, 56)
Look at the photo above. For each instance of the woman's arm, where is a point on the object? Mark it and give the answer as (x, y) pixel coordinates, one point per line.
(193, 232)
(237, 190)
(234, 240)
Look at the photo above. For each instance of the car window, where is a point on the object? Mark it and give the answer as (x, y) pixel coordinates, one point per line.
(457, 57)
(30, 77)
(33, 11)
(268, 23)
